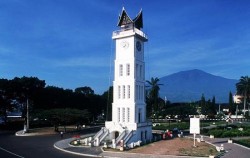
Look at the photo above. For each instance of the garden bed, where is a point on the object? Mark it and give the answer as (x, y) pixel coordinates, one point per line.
(177, 146)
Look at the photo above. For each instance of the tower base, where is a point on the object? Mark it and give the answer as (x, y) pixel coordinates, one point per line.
(124, 135)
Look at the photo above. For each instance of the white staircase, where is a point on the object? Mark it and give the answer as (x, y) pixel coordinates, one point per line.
(120, 137)
(98, 138)
(128, 136)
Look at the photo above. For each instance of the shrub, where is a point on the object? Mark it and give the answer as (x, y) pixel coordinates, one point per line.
(231, 133)
(216, 132)
(245, 142)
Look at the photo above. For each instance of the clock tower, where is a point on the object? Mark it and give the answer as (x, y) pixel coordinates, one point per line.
(129, 123)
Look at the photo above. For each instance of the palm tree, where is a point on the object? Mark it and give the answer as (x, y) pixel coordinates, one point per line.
(154, 92)
(243, 88)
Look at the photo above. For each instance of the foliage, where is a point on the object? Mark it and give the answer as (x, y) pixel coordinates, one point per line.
(244, 142)
(108, 97)
(223, 132)
(208, 107)
(84, 90)
(220, 115)
(66, 116)
(182, 110)
(47, 97)
(153, 97)
(243, 88)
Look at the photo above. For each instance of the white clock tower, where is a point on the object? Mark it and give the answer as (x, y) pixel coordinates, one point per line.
(129, 122)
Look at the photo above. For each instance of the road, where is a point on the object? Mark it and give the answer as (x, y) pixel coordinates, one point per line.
(12, 146)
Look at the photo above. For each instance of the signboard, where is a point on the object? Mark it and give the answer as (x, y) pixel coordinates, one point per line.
(195, 125)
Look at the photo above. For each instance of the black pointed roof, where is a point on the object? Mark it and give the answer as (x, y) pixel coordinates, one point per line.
(124, 19)
(138, 20)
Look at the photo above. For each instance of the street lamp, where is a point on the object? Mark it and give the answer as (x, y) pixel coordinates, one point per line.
(26, 126)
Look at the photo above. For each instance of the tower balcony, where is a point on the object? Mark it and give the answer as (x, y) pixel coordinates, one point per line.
(130, 31)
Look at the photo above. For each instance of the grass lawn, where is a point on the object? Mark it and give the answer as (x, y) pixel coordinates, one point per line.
(244, 142)
(176, 146)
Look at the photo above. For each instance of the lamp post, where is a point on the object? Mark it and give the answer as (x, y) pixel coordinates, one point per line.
(26, 124)
(169, 123)
(27, 115)
(237, 111)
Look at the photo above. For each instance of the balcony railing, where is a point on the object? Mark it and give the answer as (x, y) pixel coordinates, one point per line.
(129, 30)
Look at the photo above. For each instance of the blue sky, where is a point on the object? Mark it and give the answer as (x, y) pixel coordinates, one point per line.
(68, 43)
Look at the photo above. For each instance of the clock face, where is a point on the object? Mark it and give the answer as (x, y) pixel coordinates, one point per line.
(138, 46)
(124, 44)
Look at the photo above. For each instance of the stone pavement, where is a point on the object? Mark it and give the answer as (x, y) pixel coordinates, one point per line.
(63, 145)
(232, 150)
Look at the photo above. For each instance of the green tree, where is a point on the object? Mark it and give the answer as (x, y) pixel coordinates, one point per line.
(4, 98)
(153, 95)
(85, 90)
(203, 105)
(63, 116)
(108, 97)
(243, 88)
(211, 111)
(231, 104)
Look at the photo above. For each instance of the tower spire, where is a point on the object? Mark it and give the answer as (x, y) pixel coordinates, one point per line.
(125, 21)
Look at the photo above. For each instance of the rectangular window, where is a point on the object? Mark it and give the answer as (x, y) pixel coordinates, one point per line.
(128, 69)
(123, 114)
(128, 91)
(124, 92)
(119, 92)
(121, 70)
(128, 114)
(118, 115)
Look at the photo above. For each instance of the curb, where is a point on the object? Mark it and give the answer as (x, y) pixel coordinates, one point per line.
(242, 146)
(75, 153)
(20, 133)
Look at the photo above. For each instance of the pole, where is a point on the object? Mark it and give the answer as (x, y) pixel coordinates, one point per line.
(169, 123)
(248, 110)
(27, 115)
(194, 140)
(237, 111)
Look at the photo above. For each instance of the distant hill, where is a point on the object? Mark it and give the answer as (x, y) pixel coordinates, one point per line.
(186, 86)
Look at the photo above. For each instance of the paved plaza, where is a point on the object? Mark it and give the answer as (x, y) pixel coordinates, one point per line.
(232, 150)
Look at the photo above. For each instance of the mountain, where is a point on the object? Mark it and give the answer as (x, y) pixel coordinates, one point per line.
(187, 86)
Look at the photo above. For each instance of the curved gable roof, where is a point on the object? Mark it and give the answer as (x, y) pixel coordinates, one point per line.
(138, 20)
(124, 19)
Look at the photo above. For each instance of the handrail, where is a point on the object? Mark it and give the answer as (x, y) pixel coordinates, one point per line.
(104, 135)
(120, 136)
(99, 133)
(133, 30)
(128, 136)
